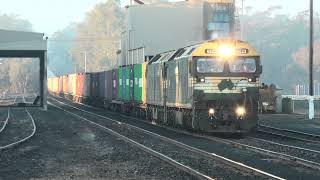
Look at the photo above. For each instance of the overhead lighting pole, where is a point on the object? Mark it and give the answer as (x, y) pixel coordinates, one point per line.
(311, 89)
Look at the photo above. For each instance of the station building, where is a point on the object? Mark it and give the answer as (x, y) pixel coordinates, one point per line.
(159, 27)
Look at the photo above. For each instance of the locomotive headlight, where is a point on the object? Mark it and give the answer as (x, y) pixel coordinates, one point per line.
(240, 111)
(226, 51)
(211, 111)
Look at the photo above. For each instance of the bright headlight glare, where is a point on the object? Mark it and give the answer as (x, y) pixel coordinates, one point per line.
(211, 111)
(241, 111)
(226, 51)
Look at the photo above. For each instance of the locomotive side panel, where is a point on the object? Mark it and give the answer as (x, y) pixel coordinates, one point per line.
(158, 91)
(186, 100)
(171, 83)
(150, 84)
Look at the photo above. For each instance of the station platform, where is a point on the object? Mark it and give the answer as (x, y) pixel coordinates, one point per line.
(296, 122)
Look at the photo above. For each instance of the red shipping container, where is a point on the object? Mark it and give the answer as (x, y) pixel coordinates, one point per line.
(80, 84)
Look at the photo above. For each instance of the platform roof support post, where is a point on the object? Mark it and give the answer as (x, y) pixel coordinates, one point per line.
(43, 80)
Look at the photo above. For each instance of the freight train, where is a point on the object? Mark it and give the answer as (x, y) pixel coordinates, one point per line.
(211, 86)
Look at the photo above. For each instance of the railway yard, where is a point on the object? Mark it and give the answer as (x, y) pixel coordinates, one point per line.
(158, 89)
(75, 141)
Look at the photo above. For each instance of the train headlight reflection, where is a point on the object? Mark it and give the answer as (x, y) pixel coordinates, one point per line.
(211, 111)
(240, 111)
(226, 51)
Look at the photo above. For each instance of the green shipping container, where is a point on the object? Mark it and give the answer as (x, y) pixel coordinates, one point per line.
(139, 82)
(126, 70)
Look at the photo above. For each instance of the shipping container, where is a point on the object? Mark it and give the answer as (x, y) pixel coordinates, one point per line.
(94, 85)
(55, 85)
(139, 83)
(127, 84)
(131, 82)
(60, 88)
(80, 84)
(102, 84)
(49, 84)
(87, 84)
(122, 83)
(109, 85)
(115, 84)
(72, 84)
(65, 84)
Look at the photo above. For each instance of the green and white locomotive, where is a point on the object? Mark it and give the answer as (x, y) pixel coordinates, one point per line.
(211, 87)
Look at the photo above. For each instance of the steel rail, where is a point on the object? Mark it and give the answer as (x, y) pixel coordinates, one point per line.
(283, 156)
(8, 117)
(24, 139)
(5, 121)
(291, 131)
(163, 157)
(285, 145)
(213, 156)
(286, 136)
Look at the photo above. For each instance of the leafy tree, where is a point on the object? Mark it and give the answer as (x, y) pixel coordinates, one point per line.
(277, 39)
(13, 22)
(60, 60)
(98, 37)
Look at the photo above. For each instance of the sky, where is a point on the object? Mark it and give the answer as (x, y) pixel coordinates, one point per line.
(49, 16)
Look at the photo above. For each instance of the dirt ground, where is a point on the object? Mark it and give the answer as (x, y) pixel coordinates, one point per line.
(65, 147)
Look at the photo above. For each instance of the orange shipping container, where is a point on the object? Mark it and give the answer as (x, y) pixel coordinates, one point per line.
(65, 84)
(72, 82)
(49, 84)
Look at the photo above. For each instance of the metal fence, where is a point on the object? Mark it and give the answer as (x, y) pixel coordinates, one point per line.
(303, 89)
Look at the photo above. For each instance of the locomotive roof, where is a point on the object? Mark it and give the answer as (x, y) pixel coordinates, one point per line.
(199, 49)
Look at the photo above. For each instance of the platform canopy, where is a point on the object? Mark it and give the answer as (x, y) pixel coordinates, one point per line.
(18, 44)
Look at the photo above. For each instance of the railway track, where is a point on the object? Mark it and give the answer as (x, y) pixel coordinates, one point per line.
(302, 156)
(289, 134)
(21, 140)
(167, 148)
(5, 122)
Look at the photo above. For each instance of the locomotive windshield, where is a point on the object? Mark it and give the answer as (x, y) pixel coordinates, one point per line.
(243, 65)
(210, 65)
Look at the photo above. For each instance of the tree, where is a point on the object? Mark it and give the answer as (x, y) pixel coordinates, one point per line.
(301, 58)
(13, 22)
(60, 60)
(277, 38)
(98, 37)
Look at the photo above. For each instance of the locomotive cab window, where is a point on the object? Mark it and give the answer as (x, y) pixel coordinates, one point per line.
(210, 65)
(243, 65)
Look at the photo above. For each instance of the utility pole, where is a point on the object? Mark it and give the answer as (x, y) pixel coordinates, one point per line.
(311, 89)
